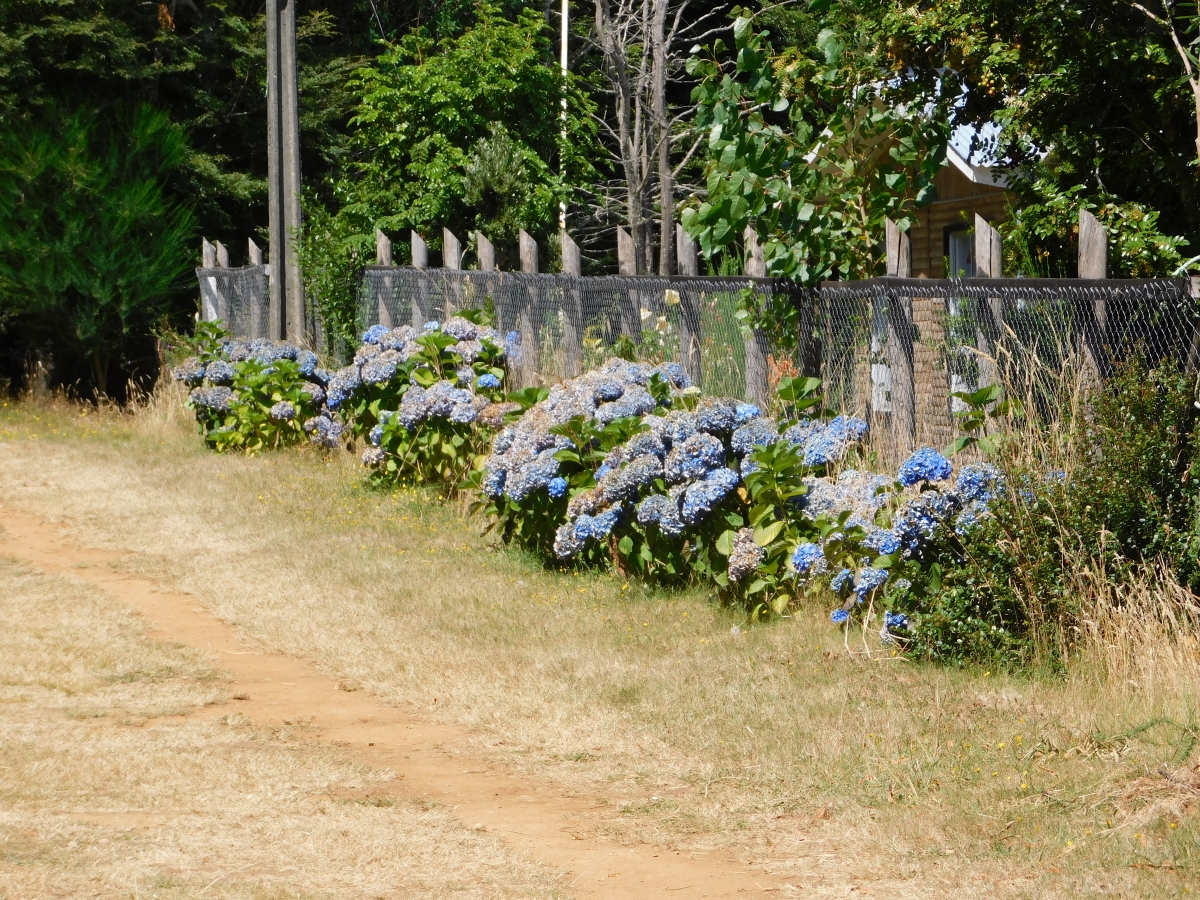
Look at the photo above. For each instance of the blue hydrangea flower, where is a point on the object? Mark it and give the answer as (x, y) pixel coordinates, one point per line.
(599, 526)
(894, 621)
(977, 481)
(680, 427)
(219, 372)
(217, 399)
(970, 516)
(850, 428)
(283, 411)
(374, 334)
(493, 484)
(320, 376)
(557, 486)
(432, 325)
(373, 456)
(342, 386)
(314, 391)
(869, 579)
(463, 414)
(324, 431)
(381, 369)
(808, 556)
(823, 447)
(882, 540)
(699, 454)
(190, 371)
(635, 401)
(716, 416)
(919, 518)
(461, 329)
(488, 381)
(744, 412)
(645, 444)
(838, 616)
(841, 580)
(624, 483)
(308, 362)
(703, 496)
(924, 465)
(376, 436)
(663, 511)
(755, 432)
(566, 544)
(512, 347)
(673, 372)
(799, 433)
(609, 389)
(746, 556)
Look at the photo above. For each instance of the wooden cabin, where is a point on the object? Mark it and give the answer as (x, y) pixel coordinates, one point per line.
(966, 186)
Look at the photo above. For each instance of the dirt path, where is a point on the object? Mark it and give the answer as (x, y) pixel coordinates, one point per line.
(545, 823)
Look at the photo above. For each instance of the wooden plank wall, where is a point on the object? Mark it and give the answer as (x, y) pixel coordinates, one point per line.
(959, 199)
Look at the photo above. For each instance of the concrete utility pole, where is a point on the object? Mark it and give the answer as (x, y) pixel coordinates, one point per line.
(283, 172)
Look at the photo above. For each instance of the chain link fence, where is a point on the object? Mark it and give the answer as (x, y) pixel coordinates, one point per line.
(566, 324)
(891, 350)
(240, 298)
(895, 351)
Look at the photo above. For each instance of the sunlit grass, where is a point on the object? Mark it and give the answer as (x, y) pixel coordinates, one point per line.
(820, 766)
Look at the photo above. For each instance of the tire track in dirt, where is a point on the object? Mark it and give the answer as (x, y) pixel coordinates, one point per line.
(546, 823)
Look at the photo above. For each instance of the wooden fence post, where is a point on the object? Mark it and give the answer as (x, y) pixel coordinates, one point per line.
(631, 303)
(420, 259)
(383, 257)
(1092, 316)
(572, 265)
(486, 253)
(208, 254)
(989, 315)
(222, 255)
(899, 251)
(451, 250)
(1193, 358)
(691, 333)
(758, 384)
(530, 315)
(260, 310)
(900, 339)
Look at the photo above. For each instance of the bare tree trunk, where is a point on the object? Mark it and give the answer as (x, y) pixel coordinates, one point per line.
(662, 138)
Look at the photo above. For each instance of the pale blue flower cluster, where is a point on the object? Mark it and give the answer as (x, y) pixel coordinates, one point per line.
(828, 444)
(488, 381)
(924, 465)
(746, 556)
(219, 371)
(216, 399)
(190, 371)
(324, 431)
(523, 461)
(808, 557)
(283, 411)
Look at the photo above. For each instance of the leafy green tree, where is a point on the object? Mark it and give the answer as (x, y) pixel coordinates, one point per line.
(813, 147)
(1092, 96)
(91, 246)
(426, 115)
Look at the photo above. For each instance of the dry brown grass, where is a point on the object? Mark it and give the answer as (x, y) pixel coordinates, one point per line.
(832, 771)
(124, 774)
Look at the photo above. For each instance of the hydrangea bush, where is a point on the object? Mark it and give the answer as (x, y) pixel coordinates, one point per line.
(425, 402)
(250, 395)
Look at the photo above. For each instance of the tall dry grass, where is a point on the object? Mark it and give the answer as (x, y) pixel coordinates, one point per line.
(831, 770)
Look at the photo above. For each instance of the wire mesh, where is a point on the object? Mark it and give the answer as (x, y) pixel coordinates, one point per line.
(565, 325)
(896, 351)
(239, 298)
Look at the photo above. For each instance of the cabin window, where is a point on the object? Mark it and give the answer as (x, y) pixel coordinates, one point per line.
(960, 253)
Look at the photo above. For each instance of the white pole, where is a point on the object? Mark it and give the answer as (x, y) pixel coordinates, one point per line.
(566, 14)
